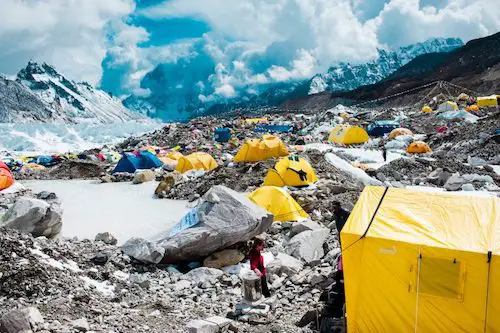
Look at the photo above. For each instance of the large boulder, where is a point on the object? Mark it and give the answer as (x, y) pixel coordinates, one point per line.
(224, 258)
(34, 216)
(143, 176)
(143, 250)
(308, 245)
(225, 217)
(287, 264)
(20, 320)
(455, 182)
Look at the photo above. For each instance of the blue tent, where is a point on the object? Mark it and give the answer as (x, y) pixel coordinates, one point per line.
(382, 127)
(222, 134)
(130, 162)
(265, 128)
(45, 160)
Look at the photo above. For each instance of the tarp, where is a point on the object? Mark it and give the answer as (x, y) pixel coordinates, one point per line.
(448, 106)
(189, 220)
(487, 101)
(255, 150)
(348, 135)
(399, 131)
(222, 134)
(264, 128)
(6, 178)
(382, 127)
(417, 261)
(291, 171)
(278, 202)
(196, 161)
(419, 147)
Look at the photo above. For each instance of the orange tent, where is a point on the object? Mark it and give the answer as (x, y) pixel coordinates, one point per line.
(472, 108)
(6, 178)
(399, 131)
(419, 147)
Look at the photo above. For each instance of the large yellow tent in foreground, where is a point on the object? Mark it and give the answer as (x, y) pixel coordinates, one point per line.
(278, 202)
(348, 135)
(291, 171)
(419, 261)
(255, 150)
(196, 161)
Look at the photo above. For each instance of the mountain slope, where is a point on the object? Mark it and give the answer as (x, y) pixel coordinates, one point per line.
(41, 94)
(348, 77)
(475, 66)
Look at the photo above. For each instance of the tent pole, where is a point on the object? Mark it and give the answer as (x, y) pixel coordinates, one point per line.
(418, 289)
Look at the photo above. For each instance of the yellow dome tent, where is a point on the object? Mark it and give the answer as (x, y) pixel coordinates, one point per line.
(399, 131)
(463, 97)
(422, 261)
(419, 147)
(487, 101)
(348, 135)
(174, 155)
(255, 150)
(291, 171)
(196, 161)
(278, 202)
(448, 106)
(426, 109)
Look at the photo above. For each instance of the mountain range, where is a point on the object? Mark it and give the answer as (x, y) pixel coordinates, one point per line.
(40, 94)
(175, 87)
(474, 66)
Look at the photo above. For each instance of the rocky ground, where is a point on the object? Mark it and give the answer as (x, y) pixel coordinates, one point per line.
(93, 285)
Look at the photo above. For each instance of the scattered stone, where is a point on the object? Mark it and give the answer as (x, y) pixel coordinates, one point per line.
(301, 226)
(143, 250)
(308, 245)
(165, 186)
(106, 238)
(202, 326)
(203, 274)
(45, 195)
(455, 182)
(181, 285)
(80, 325)
(288, 264)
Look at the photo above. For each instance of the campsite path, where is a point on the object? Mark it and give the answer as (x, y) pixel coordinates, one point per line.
(123, 209)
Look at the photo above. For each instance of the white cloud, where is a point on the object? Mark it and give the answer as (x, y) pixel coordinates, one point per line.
(226, 90)
(68, 34)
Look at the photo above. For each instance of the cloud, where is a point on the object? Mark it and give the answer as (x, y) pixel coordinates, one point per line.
(403, 22)
(68, 34)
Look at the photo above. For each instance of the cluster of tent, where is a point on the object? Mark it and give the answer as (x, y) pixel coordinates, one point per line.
(469, 104)
(422, 261)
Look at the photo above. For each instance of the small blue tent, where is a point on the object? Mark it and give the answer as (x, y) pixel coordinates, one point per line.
(265, 128)
(45, 160)
(222, 134)
(382, 127)
(131, 162)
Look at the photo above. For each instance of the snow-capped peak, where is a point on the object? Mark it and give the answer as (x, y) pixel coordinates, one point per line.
(71, 101)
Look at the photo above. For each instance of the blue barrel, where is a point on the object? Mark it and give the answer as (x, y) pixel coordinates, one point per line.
(222, 134)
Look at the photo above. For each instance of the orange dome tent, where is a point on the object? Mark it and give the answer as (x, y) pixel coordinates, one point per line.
(6, 178)
(426, 109)
(472, 108)
(399, 131)
(419, 147)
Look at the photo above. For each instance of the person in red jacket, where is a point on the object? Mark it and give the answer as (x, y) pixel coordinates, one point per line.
(257, 264)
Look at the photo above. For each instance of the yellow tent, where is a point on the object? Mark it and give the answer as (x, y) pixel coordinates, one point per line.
(174, 155)
(255, 150)
(463, 97)
(291, 171)
(278, 202)
(348, 135)
(196, 161)
(399, 131)
(487, 101)
(448, 106)
(419, 147)
(417, 261)
(426, 109)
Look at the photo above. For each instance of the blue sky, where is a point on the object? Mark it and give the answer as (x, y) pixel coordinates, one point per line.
(115, 43)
